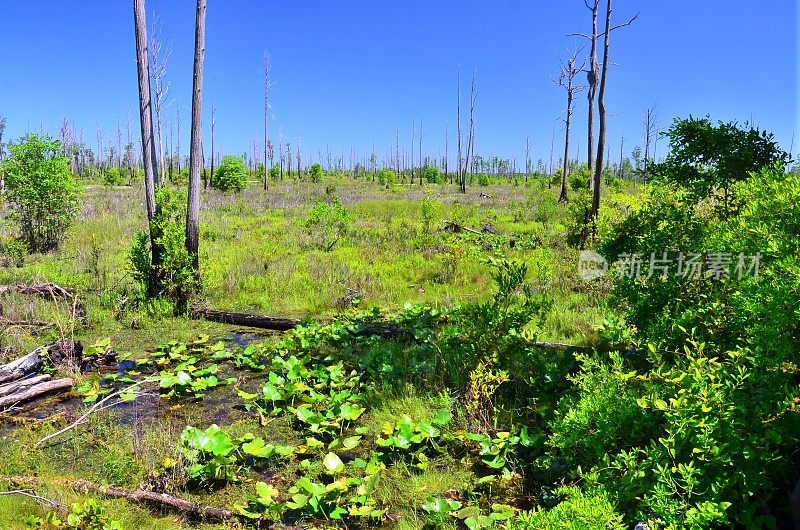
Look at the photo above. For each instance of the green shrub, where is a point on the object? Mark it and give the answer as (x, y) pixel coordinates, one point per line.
(315, 172)
(578, 511)
(41, 192)
(327, 223)
(275, 172)
(114, 177)
(387, 177)
(231, 175)
(433, 175)
(176, 278)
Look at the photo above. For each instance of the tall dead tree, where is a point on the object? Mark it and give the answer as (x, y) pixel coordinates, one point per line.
(178, 124)
(446, 141)
(196, 146)
(601, 103)
(397, 153)
(462, 182)
(592, 75)
(213, 125)
(412, 149)
(566, 80)
(421, 162)
(470, 161)
(527, 157)
(266, 118)
(158, 69)
(148, 144)
(650, 131)
(2, 153)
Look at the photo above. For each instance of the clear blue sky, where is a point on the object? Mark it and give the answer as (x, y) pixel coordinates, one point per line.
(350, 72)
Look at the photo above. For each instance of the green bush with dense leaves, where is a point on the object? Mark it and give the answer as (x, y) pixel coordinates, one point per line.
(41, 192)
(231, 175)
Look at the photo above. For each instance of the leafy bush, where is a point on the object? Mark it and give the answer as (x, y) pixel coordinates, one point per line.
(433, 175)
(83, 516)
(577, 511)
(327, 223)
(275, 172)
(175, 275)
(42, 193)
(387, 177)
(315, 172)
(231, 175)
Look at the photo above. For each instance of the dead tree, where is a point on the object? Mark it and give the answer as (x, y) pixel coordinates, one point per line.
(601, 103)
(566, 80)
(527, 157)
(592, 75)
(266, 118)
(2, 153)
(213, 125)
(178, 123)
(158, 69)
(148, 144)
(421, 163)
(195, 146)
(470, 161)
(446, 142)
(412, 149)
(650, 131)
(462, 182)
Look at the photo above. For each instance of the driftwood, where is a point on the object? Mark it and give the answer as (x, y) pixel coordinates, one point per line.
(19, 368)
(50, 290)
(161, 500)
(245, 319)
(276, 323)
(16, 386)
(35, 391)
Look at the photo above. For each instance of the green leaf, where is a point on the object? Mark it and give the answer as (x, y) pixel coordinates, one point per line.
(333, 463)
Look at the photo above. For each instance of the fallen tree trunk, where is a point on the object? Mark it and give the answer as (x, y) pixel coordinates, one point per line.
(25, 323)
(161, 500)
(16, 386)
(245, 319)
(41, 289)
(19, 368)
(35, 391)
(455, 227)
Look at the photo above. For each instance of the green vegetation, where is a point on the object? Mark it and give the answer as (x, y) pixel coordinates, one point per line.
(231, 175)
(41, 192)
(426, 391)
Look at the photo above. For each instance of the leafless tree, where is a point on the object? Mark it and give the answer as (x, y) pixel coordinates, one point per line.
(592, 74)
(148, 144)
(196, 145)
(446, 142)
(213, 126)
(397, 152)
(470, 161)
(267, 85)
(421, 163)
(461, 180)
(566, 80)
(178, 123)
(650, 131)
(159, 55)
(527, 157)
(601, 103)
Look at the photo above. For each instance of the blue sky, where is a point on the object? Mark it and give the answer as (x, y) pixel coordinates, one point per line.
(350, 73)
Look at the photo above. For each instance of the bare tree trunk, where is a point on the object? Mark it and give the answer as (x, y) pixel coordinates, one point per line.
(650, 129)
(527, 157)
(421, 164)
(195, 148)
(566, 79)
(470, 162)
(594, 72)
(178, 123)
(148, 146)
(461, 180)
(213, 125)
(601, 142)
(266, 118)
(446, 142)
(158, 60)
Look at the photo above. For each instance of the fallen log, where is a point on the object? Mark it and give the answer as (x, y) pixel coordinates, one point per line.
(16, 386)
(455, 227)
(277, 323)
(161, 500)
(25, 323)
(35, 391)
(245, 319)
(19, 368)
(50, 290)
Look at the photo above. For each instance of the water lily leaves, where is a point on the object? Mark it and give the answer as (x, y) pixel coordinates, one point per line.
(333, 463)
